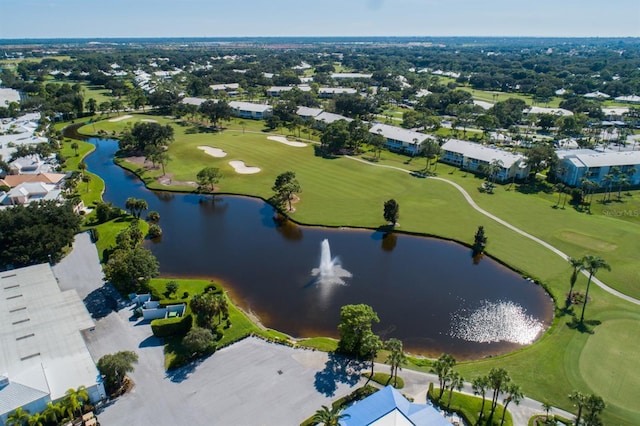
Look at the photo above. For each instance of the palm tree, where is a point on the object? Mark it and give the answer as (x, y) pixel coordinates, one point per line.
(442, 367)
(577, 265)
(75, 146)
(53, 413)
(560, 188)
(18, 418)
(38, 419)
(623, 181)
(499, 381)
(74, 400)
(480, 387)
(546, 406)
(592, 264)
(514, 393)
(82, 166)
(396, 358)
(328, 416)
(607, 183)
(457, 383)
(579, 400)
(86, 179)
(370, 345)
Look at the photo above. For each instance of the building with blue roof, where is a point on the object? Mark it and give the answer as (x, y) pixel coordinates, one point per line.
(388, 407)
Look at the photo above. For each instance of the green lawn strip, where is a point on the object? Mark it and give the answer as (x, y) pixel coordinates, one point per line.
(108, 231)
(468, 407)
(492, 97)
(344, 402)
(384, 379)
(325, 344)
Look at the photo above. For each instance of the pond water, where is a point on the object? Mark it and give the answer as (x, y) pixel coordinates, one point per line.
(427, 292)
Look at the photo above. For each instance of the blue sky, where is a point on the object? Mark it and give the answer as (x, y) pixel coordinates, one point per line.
(201, 18)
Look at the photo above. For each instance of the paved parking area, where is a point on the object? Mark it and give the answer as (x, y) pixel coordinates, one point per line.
(249, 383)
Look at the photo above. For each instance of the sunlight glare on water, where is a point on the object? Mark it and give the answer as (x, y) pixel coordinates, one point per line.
(495, 322)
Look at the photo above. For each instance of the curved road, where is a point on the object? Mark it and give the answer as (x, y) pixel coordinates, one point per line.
(473, 204)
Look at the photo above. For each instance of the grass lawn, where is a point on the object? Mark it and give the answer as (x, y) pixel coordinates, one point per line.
(469, 407)
(325, 344)
(343, 192)
(493, 97)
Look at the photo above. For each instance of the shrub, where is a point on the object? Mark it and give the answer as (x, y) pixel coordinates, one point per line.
(171, 287)
(154, 231)
(171, 326)
(153, 216)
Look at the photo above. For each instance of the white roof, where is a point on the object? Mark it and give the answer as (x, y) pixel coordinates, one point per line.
(423, 92)
(194, 101)
(398, 133)
(337, 90)
(560, 92)
(604, 159)
(329, 117)
(555, 111)
(8, 95)
(631, 98)
(483, 104)
(304, 111)
(249, 106)
(596, 94)
(225, 86)
(350, 75)
(482, 153)
(615, 111)
(40, 342)
(393, 418)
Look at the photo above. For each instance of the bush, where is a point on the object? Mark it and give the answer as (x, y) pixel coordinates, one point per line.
(172, 326)
(154, 231)
(95, 235)
(153, 216)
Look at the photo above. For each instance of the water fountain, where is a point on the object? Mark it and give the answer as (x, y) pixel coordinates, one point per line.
(329, 271)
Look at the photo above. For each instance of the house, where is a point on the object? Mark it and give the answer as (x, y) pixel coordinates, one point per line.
(330, 92)
(31, 164)
(28, 192)
(596, 95)
(388, 407)
(151, 309)
(345, 75)
(8, 95)
(574, 165)
(224, 87)
(329, 117)
(194, 101)
(560, 112)
(43, 352)
(634, 99)
(308, 112)
(251, 110)
(399, 139)
(278, 90)
(473, 156)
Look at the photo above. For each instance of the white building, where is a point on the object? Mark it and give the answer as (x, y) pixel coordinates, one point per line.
(399, 139)
(43, 353)
(278, 90)
(330, 92)
(473, 156)
(575, 165)
(343, 75)
(8, 95)
(250, 110)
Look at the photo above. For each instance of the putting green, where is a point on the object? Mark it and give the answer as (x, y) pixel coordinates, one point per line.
(587, 241)
(615, 343)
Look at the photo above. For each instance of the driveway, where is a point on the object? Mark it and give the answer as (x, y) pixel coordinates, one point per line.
(251, 382)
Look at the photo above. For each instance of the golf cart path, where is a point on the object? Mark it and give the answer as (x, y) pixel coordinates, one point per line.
(473, 204)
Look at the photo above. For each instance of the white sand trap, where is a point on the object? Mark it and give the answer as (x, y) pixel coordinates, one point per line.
(214, 152)
(149, 120)
(124, 117)
(241, 168)
(286, 141)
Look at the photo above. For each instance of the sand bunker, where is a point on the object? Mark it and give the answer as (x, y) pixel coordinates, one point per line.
(124, 117)
(286, 141)
(241, 168)
(149, 120)
(214, 152)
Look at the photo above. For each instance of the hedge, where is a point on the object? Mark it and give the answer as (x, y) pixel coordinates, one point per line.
(172, 326)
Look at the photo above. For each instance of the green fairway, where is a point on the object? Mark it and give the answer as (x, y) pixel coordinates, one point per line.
(493, 97)
(618, 342)
(344, 192)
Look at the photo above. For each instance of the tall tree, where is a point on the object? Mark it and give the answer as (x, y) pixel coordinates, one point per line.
(371, 345)
(115, 367)
(18, 417)
(594, 406)
(430, 149)
(579, 400)
(455, 382)
(74, 400)
(130, 270)
(198, 340)
(396, 358)
(443, 367)
(577, 265)
(592, 264)
(355, 322)
(499, 381)
(479, 241)
(286, 186)
(208, 177)
(391, 211)
(513, 394)
(480, 387)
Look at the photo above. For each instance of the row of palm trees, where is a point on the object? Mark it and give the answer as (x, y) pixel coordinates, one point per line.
(69, 408)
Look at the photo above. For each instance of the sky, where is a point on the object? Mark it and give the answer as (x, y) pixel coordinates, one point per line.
(237, 18)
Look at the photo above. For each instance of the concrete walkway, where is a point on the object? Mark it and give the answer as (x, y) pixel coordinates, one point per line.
(491, 216)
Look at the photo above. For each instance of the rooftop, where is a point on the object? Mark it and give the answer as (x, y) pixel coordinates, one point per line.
(482, 153)
(398, 133)
(249, 106)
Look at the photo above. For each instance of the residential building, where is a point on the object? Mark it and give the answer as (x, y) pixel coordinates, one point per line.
(308, 112)
(343, 75)
(278, 90)
(224, 87)
(388, 407)
(43, 352)
(634, 99)
(330, 92)
(329, 117)
(575, 165)
(399, 139)
(596, 95)
(31, 164)
(29, 192)
(473, 157)
(195, 101)
(251, 110)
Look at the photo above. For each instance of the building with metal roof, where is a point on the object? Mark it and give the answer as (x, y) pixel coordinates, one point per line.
(388, 407)
(250, 110)
(42, 351)
(595, 165)
(399, 139)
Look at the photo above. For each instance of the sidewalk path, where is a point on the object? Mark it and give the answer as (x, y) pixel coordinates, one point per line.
(473, 204)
